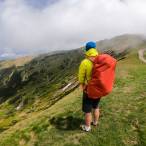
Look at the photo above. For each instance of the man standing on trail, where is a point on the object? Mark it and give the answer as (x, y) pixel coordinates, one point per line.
(96, 77)
(85, 72)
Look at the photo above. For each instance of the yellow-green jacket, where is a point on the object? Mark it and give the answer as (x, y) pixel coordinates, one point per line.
(85, 68)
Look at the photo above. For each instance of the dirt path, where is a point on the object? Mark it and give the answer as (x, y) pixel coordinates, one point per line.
(141, 55)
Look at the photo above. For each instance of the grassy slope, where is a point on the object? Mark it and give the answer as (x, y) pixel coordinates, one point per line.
(122, 121)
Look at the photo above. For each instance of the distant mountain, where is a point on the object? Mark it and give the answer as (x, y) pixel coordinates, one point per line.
(15, 62)
(122, 42)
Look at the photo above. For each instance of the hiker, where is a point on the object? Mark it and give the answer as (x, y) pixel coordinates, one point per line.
(96, 78)
(85, 72)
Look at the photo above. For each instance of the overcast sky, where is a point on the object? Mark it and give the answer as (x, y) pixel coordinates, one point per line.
(28, 26)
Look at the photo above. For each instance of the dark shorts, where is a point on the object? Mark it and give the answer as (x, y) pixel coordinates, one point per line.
(89, 104)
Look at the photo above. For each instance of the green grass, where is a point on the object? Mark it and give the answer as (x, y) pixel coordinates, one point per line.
(122, 120)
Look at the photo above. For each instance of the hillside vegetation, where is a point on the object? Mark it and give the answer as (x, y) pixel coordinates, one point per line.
(122, 121)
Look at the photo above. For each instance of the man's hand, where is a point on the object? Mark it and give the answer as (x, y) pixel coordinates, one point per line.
(82, 87)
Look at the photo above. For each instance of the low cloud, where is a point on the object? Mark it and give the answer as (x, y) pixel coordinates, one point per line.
(66, 24)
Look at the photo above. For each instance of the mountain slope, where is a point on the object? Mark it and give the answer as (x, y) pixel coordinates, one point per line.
(36, 86)
(122, 120)
(127, 41)
(42, 76)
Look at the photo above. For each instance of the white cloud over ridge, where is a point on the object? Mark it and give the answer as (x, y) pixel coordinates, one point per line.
(67, 24)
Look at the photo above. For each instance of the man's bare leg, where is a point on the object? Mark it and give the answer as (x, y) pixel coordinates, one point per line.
(87, 125)
(88, 119)
(96, 114)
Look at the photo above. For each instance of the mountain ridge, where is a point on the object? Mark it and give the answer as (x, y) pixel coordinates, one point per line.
(116, 43)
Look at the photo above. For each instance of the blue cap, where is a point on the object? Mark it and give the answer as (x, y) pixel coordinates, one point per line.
(90, 45)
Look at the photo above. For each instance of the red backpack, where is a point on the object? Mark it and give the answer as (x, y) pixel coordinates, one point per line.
(103, 75)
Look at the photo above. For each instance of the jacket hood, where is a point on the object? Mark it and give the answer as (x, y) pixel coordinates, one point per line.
(91, 52)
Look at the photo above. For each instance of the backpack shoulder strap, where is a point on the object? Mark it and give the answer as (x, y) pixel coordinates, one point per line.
(92, 59)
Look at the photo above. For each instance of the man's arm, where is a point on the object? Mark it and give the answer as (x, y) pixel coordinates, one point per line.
(82, 74)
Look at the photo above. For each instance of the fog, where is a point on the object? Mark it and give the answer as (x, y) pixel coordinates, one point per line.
(28, 26)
